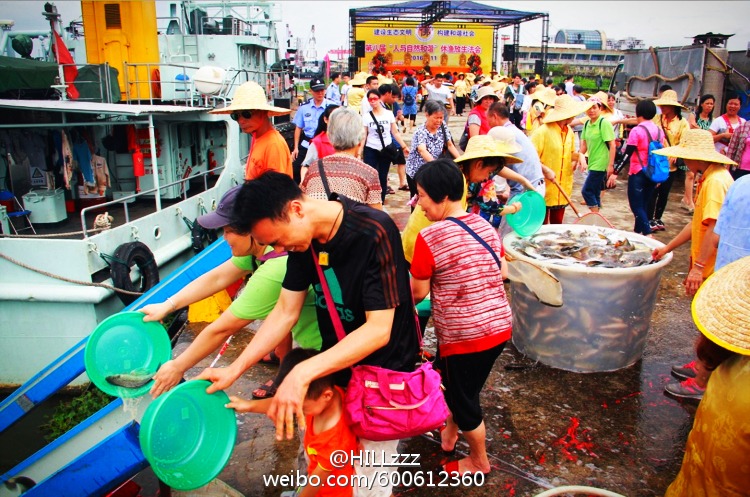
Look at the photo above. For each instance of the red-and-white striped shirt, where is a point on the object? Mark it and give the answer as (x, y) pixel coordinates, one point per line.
(469, 306)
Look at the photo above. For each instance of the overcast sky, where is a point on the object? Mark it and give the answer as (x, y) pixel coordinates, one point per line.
(658, 23)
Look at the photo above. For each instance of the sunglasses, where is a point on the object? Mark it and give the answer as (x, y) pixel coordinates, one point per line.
(244, 113)
(373, 99)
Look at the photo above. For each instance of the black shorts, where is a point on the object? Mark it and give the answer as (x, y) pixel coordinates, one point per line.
(464, 376)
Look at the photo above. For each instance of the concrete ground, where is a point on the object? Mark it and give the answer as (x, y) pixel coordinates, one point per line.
(545, 427)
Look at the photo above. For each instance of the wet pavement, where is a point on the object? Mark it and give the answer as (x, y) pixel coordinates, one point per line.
(545, 427)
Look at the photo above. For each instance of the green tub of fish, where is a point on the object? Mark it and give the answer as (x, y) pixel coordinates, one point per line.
(582, 296)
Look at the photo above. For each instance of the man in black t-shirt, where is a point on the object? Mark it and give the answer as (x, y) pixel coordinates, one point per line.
(360, 252)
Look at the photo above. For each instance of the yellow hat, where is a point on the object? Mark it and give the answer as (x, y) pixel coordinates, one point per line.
(696, 144)
(505, 138)
(545, 95)
(565, 108)
(481, 146)
(601, 98)
(669, 97)
(250, 96)
(359, 79)
(721, 308)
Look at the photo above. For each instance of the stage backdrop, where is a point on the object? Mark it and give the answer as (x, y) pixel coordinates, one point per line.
(444, 46)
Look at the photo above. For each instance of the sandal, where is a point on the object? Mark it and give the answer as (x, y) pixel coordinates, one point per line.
(451, 452)
(404, 188)
(390, 191)
(271, 358)
(265, 391)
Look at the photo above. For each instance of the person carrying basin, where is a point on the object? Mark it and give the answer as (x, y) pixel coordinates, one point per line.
(360, 249)
(267, 269)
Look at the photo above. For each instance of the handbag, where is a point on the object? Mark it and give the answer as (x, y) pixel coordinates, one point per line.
(382, 404)
(445, 154)
(389, 151)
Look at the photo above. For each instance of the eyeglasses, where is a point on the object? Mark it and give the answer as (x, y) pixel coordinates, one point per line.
(243, 113)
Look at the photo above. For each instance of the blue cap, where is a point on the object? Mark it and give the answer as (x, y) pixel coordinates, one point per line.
(222, 216)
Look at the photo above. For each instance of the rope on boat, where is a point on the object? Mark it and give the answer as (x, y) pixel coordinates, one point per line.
(54, 235)
(68, 280)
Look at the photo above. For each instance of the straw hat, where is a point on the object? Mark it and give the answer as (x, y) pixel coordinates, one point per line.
(545, 95)
(359, 79)
(565, 108)
(486, 91)
(601, 98)
(250, 96)
(696, 144)
(470, 77)
(505, 138)
(481, 146)
(669, 97)
(721, 308)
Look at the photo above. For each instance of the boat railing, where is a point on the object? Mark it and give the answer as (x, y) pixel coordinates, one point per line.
(153, 191)
(155, 82)
(98, 89)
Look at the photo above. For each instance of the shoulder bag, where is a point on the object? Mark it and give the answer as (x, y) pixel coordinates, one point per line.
(389, 151)
(382, 404)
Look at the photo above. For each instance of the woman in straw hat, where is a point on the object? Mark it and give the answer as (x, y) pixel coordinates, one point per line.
(542, 100)
(555, 144)
(715, 462)
(674, 126)
(698, 152)
(470, 310)
(252, 112)
(357, 92)
(476, 123)
(461, 90)
(484, 157)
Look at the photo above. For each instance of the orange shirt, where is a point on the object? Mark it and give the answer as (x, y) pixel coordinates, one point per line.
(268, 152)
(320, 446)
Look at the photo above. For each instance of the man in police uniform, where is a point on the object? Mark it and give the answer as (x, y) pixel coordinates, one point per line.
(333, 93)
(306, 121)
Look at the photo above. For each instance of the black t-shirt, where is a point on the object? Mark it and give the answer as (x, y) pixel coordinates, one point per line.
(366, 272)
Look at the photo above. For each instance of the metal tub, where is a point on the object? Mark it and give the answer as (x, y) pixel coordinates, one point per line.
(605, 316)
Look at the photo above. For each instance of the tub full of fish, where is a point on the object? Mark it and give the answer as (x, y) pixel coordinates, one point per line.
(582, 296)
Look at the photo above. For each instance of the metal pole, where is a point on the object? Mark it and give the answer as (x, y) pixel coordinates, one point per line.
(154, 166)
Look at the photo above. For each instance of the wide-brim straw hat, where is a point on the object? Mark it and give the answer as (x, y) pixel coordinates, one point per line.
(250, 96)
(470, 76)
(481, 146)
(486, 91)
(359, 79)
(565, 108)
(696, 144)
(505, 138)
(669, 97)
(721, 308)
(602, 98)
(545, 95)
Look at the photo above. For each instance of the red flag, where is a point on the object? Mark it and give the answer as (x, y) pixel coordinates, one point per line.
(63, 57)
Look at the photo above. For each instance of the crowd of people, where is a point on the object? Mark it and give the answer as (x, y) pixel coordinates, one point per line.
(313, 218)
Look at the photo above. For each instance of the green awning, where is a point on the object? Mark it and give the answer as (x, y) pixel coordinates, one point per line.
(26, 74)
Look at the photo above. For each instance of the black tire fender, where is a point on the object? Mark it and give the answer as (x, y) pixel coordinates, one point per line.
(202, 237)
(126, 256)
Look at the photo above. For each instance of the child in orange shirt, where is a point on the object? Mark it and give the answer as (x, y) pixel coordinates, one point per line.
(327, 431)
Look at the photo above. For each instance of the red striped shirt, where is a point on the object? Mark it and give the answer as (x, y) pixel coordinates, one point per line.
(469, 306)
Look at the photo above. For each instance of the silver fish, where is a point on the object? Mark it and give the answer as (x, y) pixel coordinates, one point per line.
(585, 248)
(131, 380)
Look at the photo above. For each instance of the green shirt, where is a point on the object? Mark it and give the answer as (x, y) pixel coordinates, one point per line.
(597, 134)
(261, 293)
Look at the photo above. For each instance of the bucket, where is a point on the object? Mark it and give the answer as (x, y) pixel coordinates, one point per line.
(605, 314)
(529, 219)
(188, 435)
(124, 350)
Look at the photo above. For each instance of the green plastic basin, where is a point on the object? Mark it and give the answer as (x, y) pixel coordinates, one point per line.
(530, 218)
(188, 435)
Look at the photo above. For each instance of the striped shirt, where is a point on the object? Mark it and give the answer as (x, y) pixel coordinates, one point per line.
(469, 306)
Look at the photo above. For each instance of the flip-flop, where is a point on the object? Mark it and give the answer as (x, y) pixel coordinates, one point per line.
(450, 468)
(268, 388)
(271, 358)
